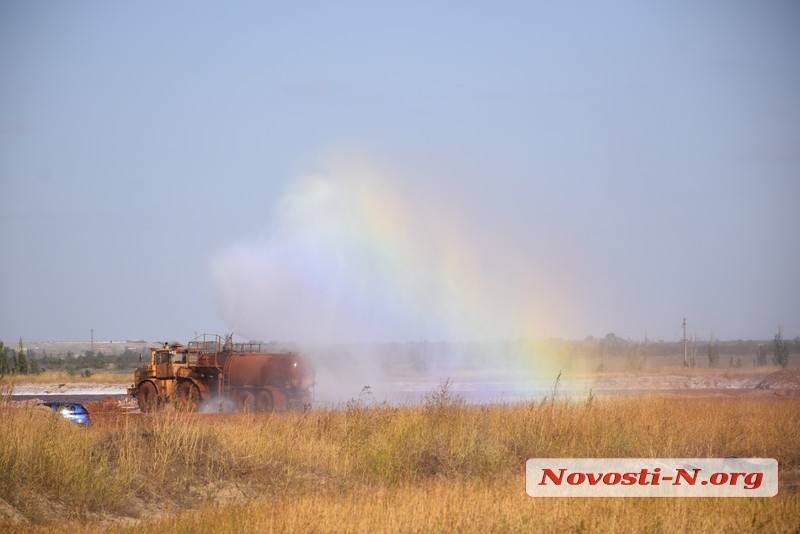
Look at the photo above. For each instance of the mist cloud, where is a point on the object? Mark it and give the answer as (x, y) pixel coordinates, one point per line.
(357, 254)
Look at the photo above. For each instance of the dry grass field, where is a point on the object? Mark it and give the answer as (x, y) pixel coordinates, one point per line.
(441, 465)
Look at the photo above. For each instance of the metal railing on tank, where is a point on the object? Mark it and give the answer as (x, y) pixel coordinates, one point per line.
(207, 344)
(213, 344)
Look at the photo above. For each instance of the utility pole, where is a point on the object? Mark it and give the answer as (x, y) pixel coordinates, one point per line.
(644, 353)
(685, 362)
(92, 341)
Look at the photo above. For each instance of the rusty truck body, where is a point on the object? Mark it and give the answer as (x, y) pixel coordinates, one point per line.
(212, 367)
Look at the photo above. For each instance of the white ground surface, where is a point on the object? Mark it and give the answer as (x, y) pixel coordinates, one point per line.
(471, 390)
(77, 388)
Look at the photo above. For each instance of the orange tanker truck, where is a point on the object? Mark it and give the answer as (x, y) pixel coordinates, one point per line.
(213, 367)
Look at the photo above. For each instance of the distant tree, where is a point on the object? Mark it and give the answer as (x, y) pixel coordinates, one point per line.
(21, 363)
(5, 368)
(97, 361)
(21, 360)
(780, 349)
(713, 354)
(761, 356)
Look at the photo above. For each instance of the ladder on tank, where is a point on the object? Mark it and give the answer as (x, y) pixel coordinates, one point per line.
(225, 379)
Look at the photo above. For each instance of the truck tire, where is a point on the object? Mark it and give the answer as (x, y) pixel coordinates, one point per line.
(147, 397)
(245, 401)
(188, 397)
(264, 401)
(278, 400)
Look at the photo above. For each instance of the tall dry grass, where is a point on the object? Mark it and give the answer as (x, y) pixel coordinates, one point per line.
(441, 465)
(480, 506)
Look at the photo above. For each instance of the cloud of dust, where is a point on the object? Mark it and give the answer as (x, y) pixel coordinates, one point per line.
(368, 272)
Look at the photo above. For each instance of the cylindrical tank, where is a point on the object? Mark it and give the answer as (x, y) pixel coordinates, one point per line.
(287, 371)
(301, 372)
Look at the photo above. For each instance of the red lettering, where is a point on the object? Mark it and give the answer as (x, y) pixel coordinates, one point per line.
(629, 479)
(574, 479)
(612, 479)
(718, 478)
(684, 474)
(594, 478)
(753, 480)
(548, 473)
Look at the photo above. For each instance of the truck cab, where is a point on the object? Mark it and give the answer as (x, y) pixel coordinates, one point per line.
(167, 359)
(158, 380)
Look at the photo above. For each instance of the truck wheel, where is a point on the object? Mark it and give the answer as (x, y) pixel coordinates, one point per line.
(278, 400)
(264, 402)
(188, 397)
(147, 397)
(245, 401)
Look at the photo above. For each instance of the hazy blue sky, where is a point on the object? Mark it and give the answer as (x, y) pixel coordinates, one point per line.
(403, 170)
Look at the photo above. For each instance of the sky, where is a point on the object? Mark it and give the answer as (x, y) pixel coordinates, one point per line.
(399, 171)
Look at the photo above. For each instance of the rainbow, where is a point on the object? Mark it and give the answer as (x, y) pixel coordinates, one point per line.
(351, 255)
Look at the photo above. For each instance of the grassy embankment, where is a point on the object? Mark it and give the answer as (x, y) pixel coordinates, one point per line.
(440, 466)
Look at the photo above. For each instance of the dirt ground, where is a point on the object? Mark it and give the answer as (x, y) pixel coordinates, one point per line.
(785, 379)
(105, 398)
(785, 382)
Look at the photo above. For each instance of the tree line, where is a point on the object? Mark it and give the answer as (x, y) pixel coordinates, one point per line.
(27, 362)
